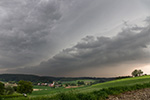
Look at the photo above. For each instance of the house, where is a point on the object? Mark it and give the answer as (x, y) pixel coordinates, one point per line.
(42, 84)
(52, 85)
(46, 84)
(39, 84)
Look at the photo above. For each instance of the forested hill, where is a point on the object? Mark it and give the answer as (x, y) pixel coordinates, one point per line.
(18, 77)
(35, 78)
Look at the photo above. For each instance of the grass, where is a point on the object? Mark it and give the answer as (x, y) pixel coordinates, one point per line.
(45, 90)
(120, 82)
(116, 83)
(75, 82)
(101, 94)
(48, 91)
(124, 82)
(87, 91)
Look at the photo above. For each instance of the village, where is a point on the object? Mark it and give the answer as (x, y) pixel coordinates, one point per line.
(68, 84)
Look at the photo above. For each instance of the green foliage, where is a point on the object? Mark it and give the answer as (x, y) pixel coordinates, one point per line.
(80, 83)
(24, 87)
(136, 73)
(2, 87)
(10, 96)
(44, 79)
(66, 96)
(8, 90)
(15, 88)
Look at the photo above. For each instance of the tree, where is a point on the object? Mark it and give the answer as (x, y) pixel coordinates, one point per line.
(140, 72)
(24, 87)
(136, 73)
(80, 83)
(2, 87)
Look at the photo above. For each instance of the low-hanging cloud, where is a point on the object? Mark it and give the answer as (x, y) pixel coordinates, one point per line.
(98, 52)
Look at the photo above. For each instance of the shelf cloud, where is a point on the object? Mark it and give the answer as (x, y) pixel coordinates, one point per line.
(99, 52)
(73, 37)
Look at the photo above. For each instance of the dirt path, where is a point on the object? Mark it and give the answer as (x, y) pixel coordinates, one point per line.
(143, 94)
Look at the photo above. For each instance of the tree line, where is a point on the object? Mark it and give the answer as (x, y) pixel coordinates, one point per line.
(22, 87)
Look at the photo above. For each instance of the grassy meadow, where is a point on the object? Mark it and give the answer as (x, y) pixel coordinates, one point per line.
(48, 93)
(124, 82)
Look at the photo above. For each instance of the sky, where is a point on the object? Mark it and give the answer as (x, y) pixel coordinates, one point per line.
(74, 38)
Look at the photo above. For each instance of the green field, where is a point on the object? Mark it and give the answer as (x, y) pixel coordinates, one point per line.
(75, 81)
(114, 83)
(48, 92)
(124, 82)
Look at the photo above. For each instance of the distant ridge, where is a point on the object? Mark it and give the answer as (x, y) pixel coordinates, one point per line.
(26, 77)
(36, 78)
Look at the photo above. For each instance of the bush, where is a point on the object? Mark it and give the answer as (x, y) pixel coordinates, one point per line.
(15, 88)
(2, 87)
(9, 90)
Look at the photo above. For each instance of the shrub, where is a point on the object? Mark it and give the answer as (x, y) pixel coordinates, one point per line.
(8, 90)
(15, 88)
(2, 87)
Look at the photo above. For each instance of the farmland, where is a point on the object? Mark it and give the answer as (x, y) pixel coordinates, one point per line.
(47, 92)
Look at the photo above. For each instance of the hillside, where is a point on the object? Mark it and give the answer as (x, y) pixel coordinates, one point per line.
(35, 78)
(124, 82)
(116, 83)
(18, 77)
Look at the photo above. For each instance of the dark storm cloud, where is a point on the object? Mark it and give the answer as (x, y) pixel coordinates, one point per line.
(25, 26)
(98, 52)
(32, 32)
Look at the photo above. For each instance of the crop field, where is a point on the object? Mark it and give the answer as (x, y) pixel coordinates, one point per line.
(75, 82)
(45, 90)
(48, 91)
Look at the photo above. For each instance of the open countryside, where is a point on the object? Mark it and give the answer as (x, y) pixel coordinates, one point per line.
(72, 88)
(74, 50)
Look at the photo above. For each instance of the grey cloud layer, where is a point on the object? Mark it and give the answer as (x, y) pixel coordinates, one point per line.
(24, 28)
(99, 52)
(33, 31)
